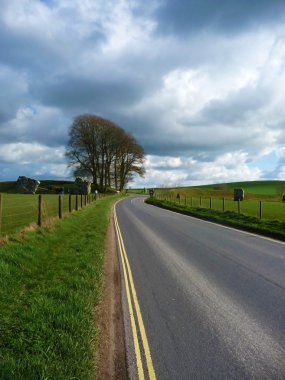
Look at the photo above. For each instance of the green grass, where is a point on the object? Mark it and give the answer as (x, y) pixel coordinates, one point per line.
(273, 228)
(271, 210)
(50, 284)
(265, 190)
(21, 210)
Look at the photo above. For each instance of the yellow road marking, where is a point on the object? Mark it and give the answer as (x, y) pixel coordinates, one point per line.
(131, 312)
(126, 265)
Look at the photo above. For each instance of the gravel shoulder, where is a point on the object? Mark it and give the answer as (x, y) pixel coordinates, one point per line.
(111, 344)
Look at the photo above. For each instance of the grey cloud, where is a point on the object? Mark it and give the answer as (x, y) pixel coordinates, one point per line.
(237, 107)
(88, 95)
(184, 16)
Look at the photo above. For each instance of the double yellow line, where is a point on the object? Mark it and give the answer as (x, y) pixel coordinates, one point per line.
(135, 312)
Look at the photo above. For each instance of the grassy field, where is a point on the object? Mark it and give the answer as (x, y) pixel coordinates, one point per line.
(21, 210)
(50, 284)
(271, 210)
(269, 192)
(272, 228)
(271, 188)
(254, 190)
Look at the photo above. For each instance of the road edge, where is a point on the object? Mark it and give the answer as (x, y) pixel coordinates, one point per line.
(111, 356)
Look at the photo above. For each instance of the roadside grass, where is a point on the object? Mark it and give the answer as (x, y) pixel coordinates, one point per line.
(271, 228)
(50, 285)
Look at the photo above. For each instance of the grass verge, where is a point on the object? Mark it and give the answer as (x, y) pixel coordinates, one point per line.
(271, 228)
(50, 284)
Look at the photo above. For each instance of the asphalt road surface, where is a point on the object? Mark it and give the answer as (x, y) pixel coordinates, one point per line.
(212, 299)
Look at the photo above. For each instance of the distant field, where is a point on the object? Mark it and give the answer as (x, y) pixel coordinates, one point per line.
(254, 187)
(254, 190)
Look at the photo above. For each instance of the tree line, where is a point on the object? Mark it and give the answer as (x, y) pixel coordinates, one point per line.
(102, 151)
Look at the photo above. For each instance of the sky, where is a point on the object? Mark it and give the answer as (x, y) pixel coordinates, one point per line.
(199, 83)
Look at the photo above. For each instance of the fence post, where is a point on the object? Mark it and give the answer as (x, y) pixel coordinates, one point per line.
(81, 200)
(260, 210)
(76, 202)
(40, 211)
(223, 204)
(59, 207)
(239, 206)
(0, 213)
(69, 203)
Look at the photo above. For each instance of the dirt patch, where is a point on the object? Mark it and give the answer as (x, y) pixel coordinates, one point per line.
(111, 347)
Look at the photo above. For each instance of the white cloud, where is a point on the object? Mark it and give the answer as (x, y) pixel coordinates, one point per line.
(170, 171)
(29, 153)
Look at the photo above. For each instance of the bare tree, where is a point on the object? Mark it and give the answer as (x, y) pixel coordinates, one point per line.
(100, 149)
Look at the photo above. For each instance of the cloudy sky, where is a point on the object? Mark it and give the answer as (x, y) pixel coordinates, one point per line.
(199, 83)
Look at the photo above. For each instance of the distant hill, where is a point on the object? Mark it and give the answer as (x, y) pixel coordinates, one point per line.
(46, 186)
(254, 187)
(262, 190)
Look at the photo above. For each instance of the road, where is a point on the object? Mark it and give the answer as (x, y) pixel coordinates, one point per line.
(212, 299)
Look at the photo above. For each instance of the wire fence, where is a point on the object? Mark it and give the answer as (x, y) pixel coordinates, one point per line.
(270, 210)
(17, 211)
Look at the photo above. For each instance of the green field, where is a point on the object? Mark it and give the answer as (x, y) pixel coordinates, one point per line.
(259, 190)
(269, 227)
(21, 210)
(271, 188)
(271, 210)
(268, 192)
(50, 285)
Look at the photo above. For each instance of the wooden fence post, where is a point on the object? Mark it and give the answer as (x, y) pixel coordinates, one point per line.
(69, 203)
(260, 210)
(0, 213)
(59, 207)
(76, 202)
(40, 211)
